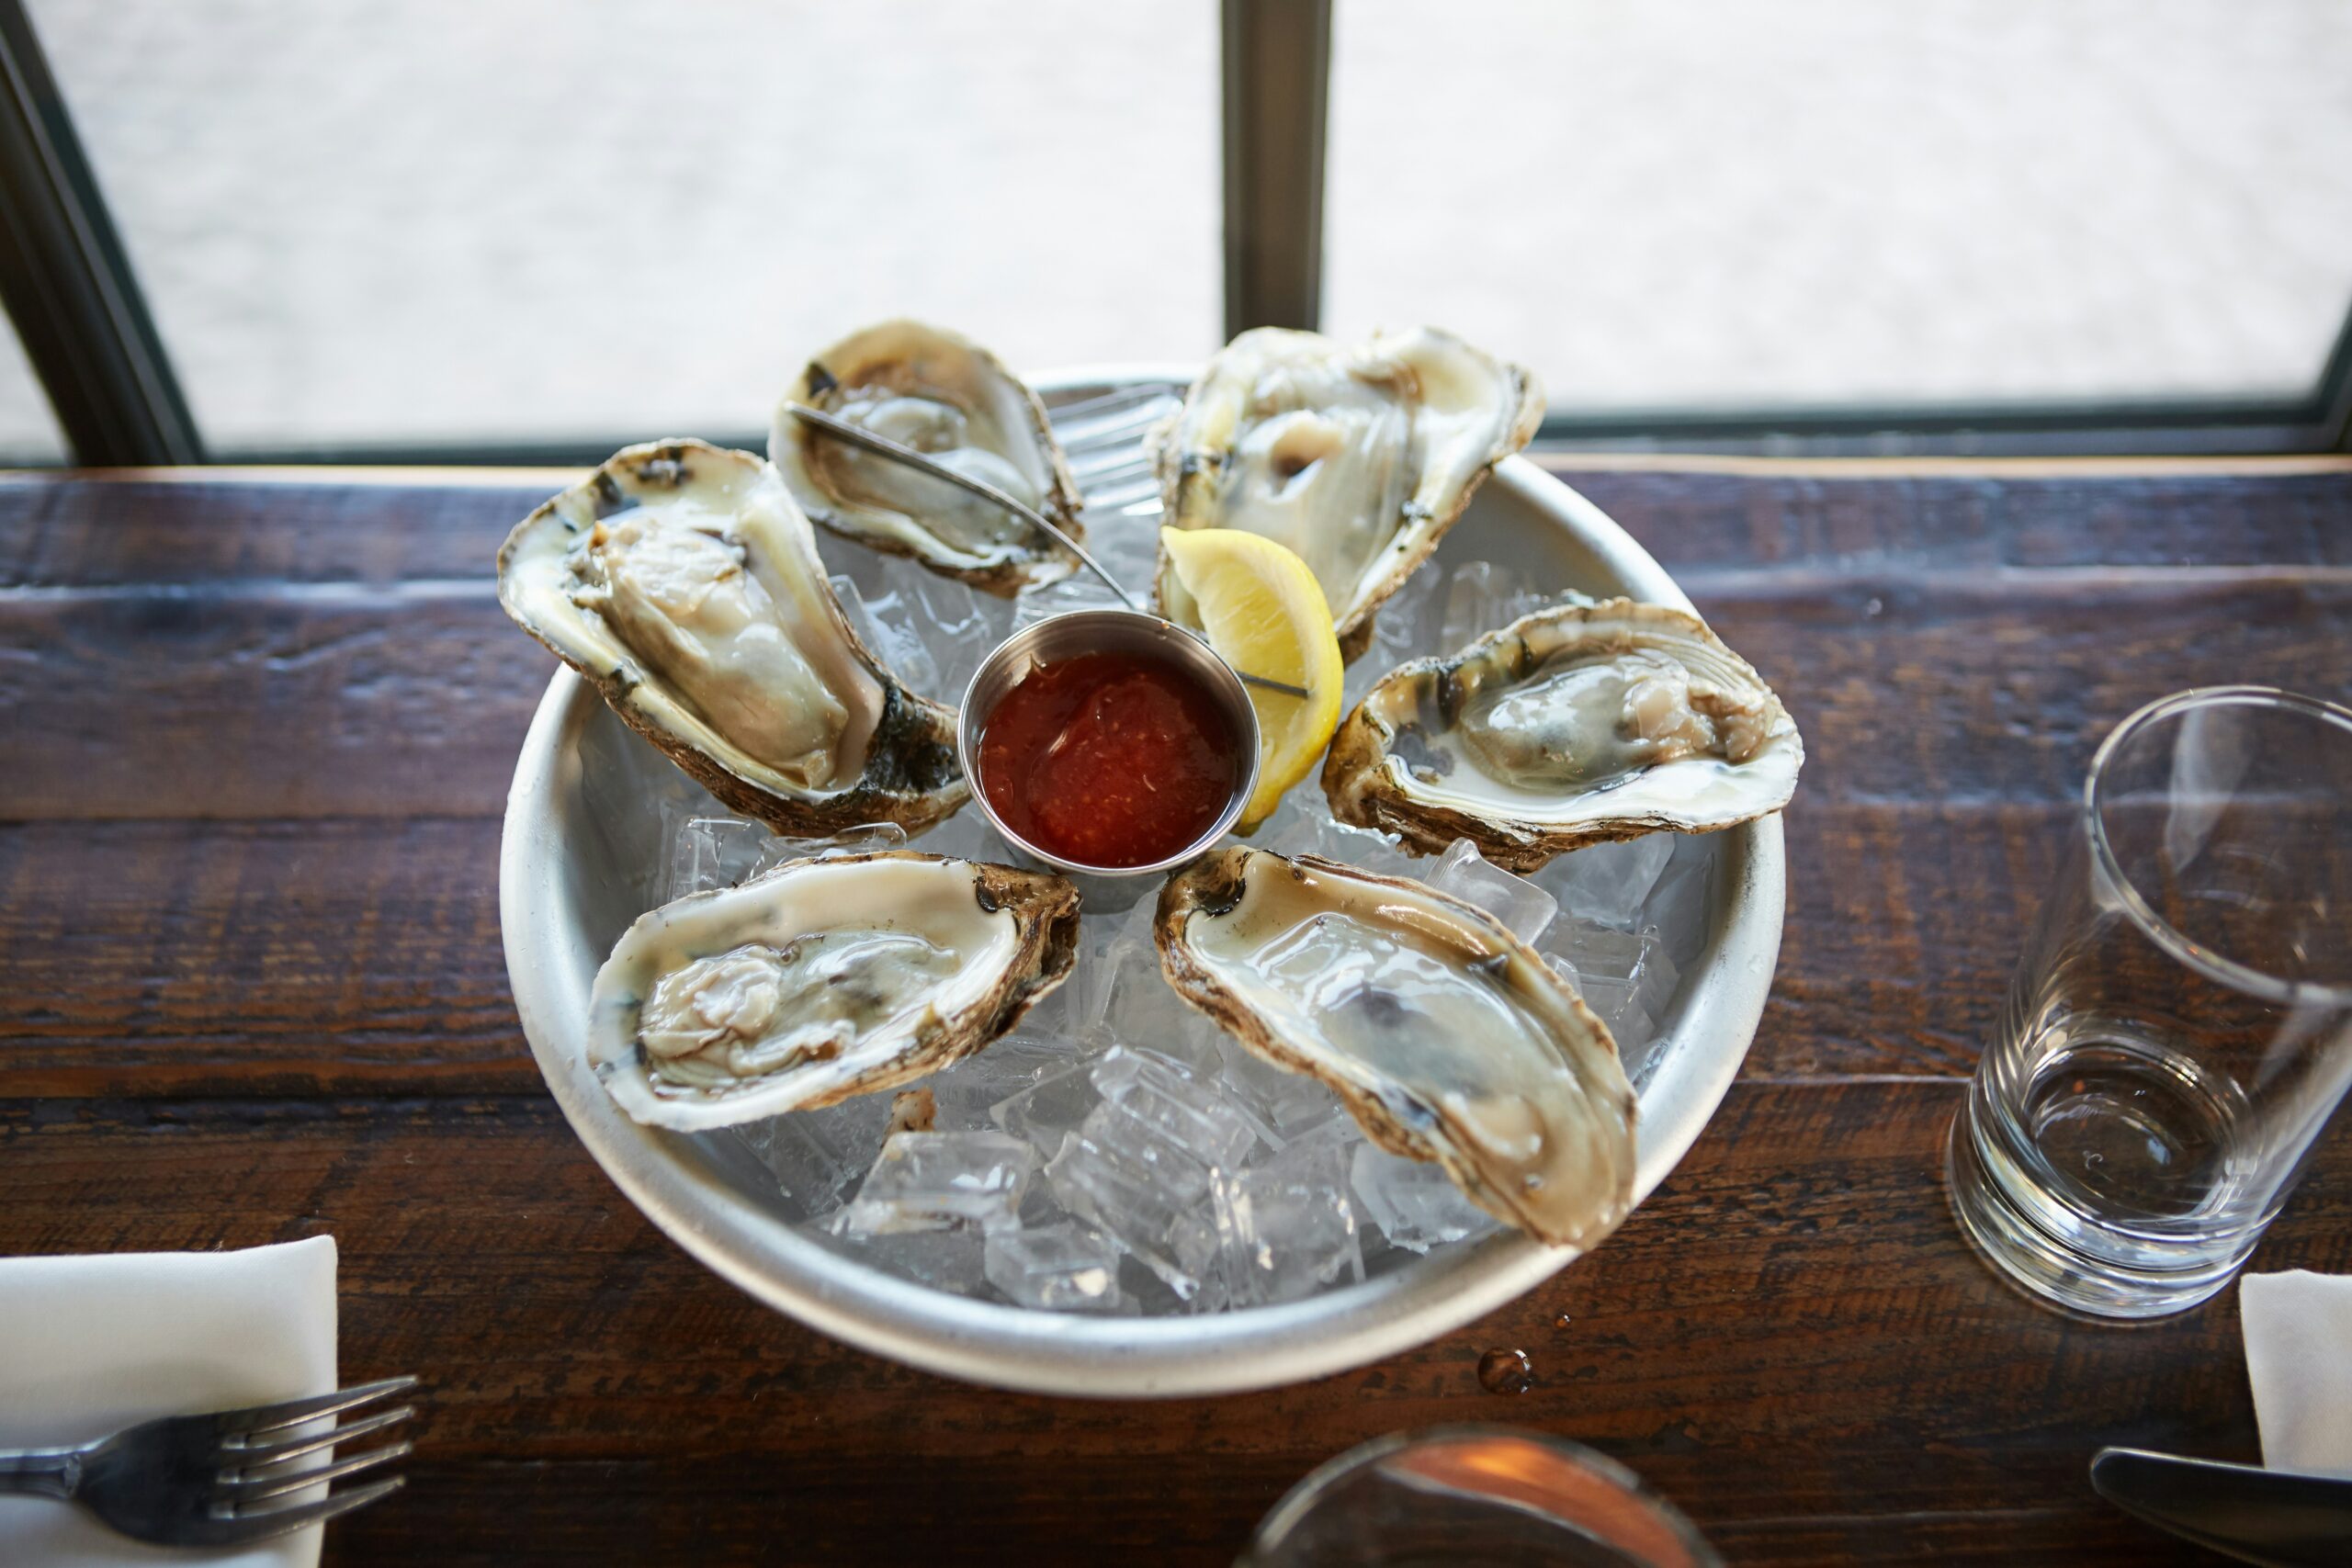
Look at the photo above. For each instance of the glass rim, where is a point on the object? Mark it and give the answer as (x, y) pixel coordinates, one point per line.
(2213, 966)
(1311, 1488)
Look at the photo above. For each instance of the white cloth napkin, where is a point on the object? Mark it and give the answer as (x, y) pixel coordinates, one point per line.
(91, 1345)
(2299, 1357)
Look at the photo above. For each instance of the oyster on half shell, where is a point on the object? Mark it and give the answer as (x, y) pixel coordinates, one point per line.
(682, 580)
(951, 399)
(1447, 1038)
(822, 979)
(1574, 725)
(1357, 456)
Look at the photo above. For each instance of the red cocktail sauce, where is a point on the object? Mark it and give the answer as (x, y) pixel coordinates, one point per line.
(1109, 758)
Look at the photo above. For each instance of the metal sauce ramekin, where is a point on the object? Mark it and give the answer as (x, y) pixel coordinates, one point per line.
(1107, 631)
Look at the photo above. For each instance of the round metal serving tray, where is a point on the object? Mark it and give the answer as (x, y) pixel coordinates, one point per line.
(582, 834)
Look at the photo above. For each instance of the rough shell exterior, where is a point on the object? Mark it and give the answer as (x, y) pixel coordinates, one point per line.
(872, 355)
(1361, 793)
(1216, 883)
(1045, 907)
(911, 775)
(1191, 470)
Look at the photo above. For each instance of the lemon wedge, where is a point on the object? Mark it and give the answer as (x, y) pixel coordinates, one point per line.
(1264, 611)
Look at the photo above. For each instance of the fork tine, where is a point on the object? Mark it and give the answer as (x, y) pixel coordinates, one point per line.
(263, 1418)
(244, 1491)
(259, 1454)
(261, 1525)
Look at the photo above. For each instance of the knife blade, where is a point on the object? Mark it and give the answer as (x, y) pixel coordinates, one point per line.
(2242, 1510)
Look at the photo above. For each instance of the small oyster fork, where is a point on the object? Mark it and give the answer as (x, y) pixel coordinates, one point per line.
(225, 1479)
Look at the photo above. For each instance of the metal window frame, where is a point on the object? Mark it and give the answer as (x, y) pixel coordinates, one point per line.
(68, 286)
(1276, 103)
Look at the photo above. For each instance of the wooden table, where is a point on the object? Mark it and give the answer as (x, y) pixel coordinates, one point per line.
(256, 732)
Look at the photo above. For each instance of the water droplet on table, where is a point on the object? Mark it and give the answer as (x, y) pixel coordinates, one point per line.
(1506, 1372)
(1561, 1321)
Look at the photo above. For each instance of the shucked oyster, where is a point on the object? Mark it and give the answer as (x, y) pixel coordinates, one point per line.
(1358, 456)
(682, 580)
(951, 400)
(1448, 1038)
(824, 979)
(1572, 725)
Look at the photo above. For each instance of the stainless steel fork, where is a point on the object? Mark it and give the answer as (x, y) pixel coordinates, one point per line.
(220, 1480)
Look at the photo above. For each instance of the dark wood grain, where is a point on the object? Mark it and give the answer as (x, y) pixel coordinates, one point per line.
(255, 736)
(1788, 1332)
(350, 954)
(275, 700)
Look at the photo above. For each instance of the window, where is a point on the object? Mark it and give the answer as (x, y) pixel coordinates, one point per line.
(432, 230)
(451, 224)
(29, 432)
(1722, 205)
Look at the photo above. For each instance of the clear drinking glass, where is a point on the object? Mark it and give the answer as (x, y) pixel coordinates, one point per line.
(1469, 1496)
(2179, 1031)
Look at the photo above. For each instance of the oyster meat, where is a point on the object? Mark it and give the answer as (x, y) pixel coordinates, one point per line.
(1357, 456)
(1574, 725)
(1447, 1037)
(951, 400)
(682, 580)
(822, 979)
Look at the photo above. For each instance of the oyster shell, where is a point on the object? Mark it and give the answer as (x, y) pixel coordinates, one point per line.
(822, 979)
(1448, 1038)
(1358, 456)
(682, 580)
(1574, 725)
(953, 401)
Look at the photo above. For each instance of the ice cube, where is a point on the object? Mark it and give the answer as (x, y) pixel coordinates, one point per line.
(1636, 1033)
(1483, 596)
(1310, 830)
(1053, 1106)
(1285, 1228)
(1081, 590)
(968, 1092)
(931, 631)
(709, 851)
(1194, 1115)
(1062, 1267)
(1119, 951)
(1153, 1297)
(1150, 1199)
(817, 1156)
(1282, 1103)
(1598, 951)
(952, 1261)
(1626, 977)
(1605, 883)
(1180, 1173)
(967, 835)
(1131, 1003)
(710, 847)
(1406, 626)
(933, 1180)
(1413, 1202)
(959, 626)
(1682, 903)
(1522, 908)
(885, 621)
